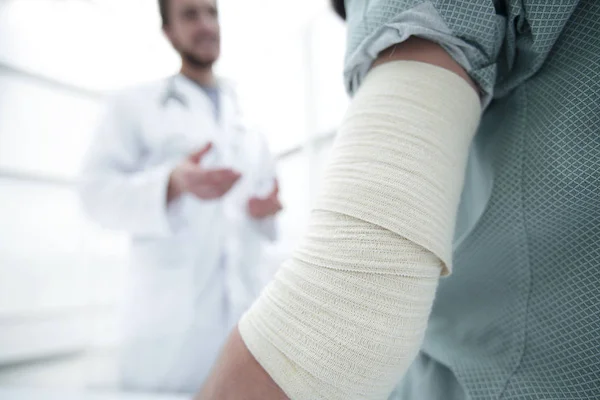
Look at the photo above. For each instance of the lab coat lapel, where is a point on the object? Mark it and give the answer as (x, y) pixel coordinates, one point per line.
(228, 120)
(201, 109)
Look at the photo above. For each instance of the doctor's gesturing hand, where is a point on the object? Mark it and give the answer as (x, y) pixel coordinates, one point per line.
(259, 208)
(206, 184)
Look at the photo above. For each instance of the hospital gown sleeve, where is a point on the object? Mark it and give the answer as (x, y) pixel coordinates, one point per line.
(471, 31)
(115, 191)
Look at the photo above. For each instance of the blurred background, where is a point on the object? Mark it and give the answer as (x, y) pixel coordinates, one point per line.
(60, 275)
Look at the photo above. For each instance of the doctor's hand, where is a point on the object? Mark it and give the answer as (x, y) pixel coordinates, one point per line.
(205, 184)
(259, 208)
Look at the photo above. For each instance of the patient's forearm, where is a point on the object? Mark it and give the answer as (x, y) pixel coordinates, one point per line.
(237, 375)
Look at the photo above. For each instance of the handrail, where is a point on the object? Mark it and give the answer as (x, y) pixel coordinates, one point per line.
(24, 176)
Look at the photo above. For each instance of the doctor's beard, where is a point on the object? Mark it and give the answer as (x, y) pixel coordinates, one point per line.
(197, 62)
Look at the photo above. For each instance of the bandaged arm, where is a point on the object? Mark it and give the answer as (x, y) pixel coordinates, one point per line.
(345, 317)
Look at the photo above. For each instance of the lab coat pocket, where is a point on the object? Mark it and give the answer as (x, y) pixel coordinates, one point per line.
(161, 300)
(162, 253)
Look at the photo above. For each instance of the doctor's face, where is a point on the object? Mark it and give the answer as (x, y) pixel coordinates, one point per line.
(193, 29)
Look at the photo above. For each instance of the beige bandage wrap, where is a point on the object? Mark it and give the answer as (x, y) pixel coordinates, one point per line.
(344, 318)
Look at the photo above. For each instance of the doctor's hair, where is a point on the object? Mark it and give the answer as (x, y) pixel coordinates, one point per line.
(163, 7)
(339, 8)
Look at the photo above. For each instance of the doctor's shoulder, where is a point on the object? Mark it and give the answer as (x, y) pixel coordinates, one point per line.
(226, 84)
(135, 100)
(228, 88)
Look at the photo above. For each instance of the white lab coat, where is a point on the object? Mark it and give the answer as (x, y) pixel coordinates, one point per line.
(194, 263)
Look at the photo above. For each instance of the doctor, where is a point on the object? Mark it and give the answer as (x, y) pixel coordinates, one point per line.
(172, 165)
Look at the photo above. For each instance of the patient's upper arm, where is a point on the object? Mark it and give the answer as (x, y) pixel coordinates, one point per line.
(417, 49)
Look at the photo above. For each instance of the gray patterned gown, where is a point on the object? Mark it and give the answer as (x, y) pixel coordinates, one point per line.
(519, 318)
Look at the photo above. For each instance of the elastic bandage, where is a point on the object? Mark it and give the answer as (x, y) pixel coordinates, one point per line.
(345, 316)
